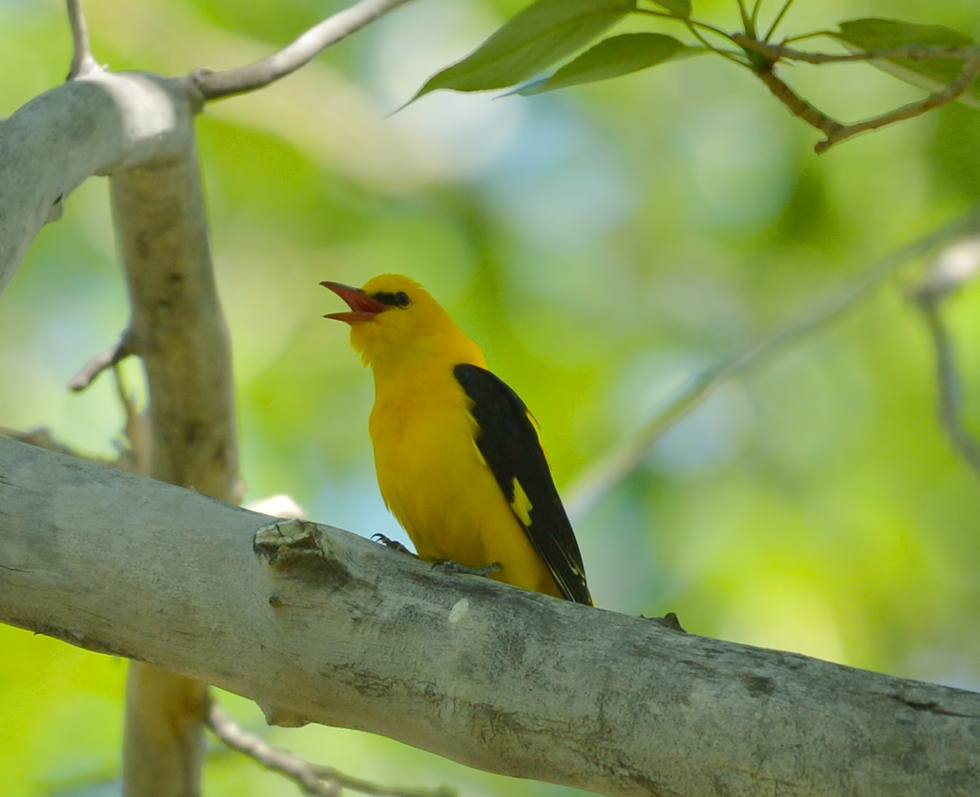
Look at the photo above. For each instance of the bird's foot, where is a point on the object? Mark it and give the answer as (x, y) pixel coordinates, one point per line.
(387, 542)
(449, 566)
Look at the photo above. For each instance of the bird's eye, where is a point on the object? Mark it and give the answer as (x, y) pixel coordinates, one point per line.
(399, 299)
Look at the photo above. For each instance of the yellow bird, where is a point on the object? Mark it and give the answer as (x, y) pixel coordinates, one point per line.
(458, 457)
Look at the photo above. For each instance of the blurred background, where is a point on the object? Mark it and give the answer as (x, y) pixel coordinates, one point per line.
(604, 245)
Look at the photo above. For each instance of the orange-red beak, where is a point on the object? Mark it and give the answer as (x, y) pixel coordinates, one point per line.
(363, 307)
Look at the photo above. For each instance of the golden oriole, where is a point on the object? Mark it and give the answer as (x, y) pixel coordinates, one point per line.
(457, 453)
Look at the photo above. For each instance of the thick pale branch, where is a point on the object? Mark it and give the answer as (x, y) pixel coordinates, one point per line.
(91, 126)
(320, 625)
(178, 330)
(215, 85)
(177, 327)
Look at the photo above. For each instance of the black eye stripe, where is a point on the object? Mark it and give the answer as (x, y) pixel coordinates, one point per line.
(399, 299)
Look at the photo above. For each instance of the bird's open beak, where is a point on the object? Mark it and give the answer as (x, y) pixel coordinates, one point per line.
(363, 307)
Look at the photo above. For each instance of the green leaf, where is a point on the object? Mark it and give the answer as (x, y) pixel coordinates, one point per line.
(612, 57)
(889, 34)
(679, 8)
(541, 34)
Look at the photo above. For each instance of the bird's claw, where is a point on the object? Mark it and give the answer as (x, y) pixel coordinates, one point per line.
(387, 542)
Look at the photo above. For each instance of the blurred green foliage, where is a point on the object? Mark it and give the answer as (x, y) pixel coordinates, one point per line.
(603, 244)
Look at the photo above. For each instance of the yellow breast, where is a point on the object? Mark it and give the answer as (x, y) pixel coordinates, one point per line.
(435, 482)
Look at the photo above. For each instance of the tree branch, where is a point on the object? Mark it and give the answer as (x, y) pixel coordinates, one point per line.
(95, 124)
(946, 95)
(835, 131)
(102, 361)
(312, 778)
(952, 269)
(179, 332)
(796, 105)
(910, 52)
(82, 62)
(320, 625)
(216, 85)
(599, 479)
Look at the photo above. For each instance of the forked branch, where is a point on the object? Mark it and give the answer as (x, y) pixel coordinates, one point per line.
(835, 131)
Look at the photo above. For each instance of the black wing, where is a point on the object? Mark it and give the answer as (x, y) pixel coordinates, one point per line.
(510, 445)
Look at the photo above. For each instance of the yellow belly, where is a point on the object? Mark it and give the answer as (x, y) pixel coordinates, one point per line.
(437, 485)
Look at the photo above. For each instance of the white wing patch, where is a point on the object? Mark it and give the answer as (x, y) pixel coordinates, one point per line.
(521, 505)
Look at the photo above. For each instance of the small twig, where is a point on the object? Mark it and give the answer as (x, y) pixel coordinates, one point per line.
(215, 85)
(82, 62)
(910, 52)
(755, 14)
(835, 131)
(969, 73)
(798, 106)
(953, 268)
(134, 451)
(778, 19)
(102, 361)
(41, 437)
(694, 25)
(737, 57)
(746, 18)
(625, 458)
(313, 779)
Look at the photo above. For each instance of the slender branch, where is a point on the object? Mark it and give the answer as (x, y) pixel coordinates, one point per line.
(948, 381)
(755, 14)
(314, 779)
(799, 107)
(969, 73)
(835, 131)
(910, 52)
(831, 34)
(953, 268)
(746, 18)
(737, 57)
(41, 437)
(625, 458)
(216, 85)
(82, 62)
(256, 748)
(102, 361)
(778, 19)
(692, 24)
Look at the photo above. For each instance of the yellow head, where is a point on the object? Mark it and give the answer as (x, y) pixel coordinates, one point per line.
(394, 321)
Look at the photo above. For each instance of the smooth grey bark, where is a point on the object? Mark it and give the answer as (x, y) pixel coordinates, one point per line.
(316, 624)
(140, 130)
(95, 125)
(178, 330)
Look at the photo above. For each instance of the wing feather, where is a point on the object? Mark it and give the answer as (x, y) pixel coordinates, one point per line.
(509, 444)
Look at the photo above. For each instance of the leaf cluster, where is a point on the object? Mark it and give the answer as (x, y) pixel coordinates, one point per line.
(556, 44)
